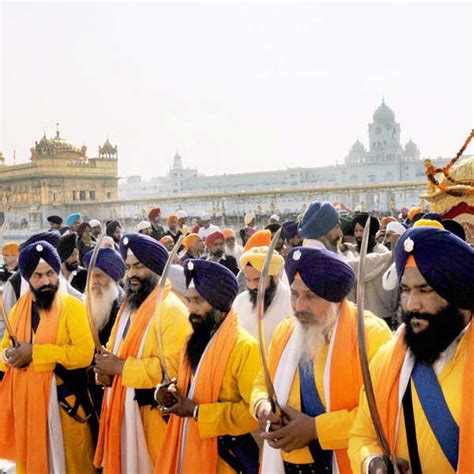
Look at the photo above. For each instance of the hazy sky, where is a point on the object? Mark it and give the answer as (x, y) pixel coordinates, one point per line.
(233, 86)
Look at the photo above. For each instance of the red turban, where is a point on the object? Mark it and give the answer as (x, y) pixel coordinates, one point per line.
(211, 238)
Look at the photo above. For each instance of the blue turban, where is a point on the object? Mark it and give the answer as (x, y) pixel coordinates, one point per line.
(290, 228)
(109, 261)
(318, 220)
(323, 272)
(31, 255)
(52, 237)
(149, 251)
(214, 282)
(445, 261)
(72, 218)
(433, 216)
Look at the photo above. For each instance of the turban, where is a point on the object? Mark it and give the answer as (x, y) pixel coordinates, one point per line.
(181, 214)
(166, 239)
(154, 213)
(205, 216)
(214, 282)
(109, 261)
(318, 220)
(66, 245)
(274, 217)
(428, 223)
(52, 237)
(94, 223)
(228, 233)
(190, 240)
(385, 220)
(261, 238)
(147, 250)
(361, 219)
(172, 218)
(248, 218)
(55, 220)
(72, 218)
(273, 228)
(112, 226)
(33, 253)
(142, 225)
(346, 224)
(395, 227)
(434, 216)
(12, 249)
(256, 258)
(325, 273)
(211, 238)
(445, 261)
(82, 228)
(290, 228)
(455, 227)
(413, 212)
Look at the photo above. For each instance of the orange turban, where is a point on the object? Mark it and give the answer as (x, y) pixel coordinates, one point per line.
(261, 238)
(413, 212)
(190, 240)
(172, 218)
(211, 238)
(228, 233)
(385, 220)
(11, 249)
(153, 213)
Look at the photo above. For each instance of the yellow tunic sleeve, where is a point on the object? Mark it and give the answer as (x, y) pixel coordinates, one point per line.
(74, 346)
(230, 416)
(175, 328)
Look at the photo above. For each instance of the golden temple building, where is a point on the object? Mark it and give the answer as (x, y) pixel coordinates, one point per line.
(58, 179)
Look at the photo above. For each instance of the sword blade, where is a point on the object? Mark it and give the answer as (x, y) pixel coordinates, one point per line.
(7, 324)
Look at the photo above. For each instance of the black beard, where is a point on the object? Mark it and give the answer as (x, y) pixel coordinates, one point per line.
(44, 296)
(217, 253)
(72, 267)
(443, 328)
(370, 244)
(137, 295)
(269, 295)
(202, 333)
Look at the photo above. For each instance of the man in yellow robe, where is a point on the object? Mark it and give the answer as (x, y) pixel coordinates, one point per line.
(42, 428)
(424, 378)
(131, 427)
(314, 362)
(210, 425)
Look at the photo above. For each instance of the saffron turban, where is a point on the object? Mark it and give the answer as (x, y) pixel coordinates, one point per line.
(154, 213)
(52, 237)
(55, 220)
(72, 218)
(111, 227)
(190, 240)
(33, 253)
(256, 258)
(319, 219)
(172, 218)
(361, 219)
(325, 273)
(428, 223)
(413, 212)
(261, 238)
(290, 228)
(109, 261)
(66, 245)
(214, 282)
(211, 238)
(385, 220)
(146, 249)
(228, 233)
(12, 249)
(445, 261)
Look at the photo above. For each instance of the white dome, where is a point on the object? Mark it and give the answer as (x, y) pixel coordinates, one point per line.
(383, 114)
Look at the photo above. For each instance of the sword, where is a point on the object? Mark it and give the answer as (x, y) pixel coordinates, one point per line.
(7, 324)
(90, 317)
(159, 299)
(260, 327)
(388, 456)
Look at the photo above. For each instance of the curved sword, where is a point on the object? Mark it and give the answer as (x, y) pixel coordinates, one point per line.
(389, 458)
(260, 327)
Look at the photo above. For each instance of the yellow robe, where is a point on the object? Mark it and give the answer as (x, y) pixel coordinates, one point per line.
(332, 428)
(74, 349)
(146, 372)
(363, 442)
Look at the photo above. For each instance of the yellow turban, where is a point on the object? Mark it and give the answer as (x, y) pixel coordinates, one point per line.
(256, 257)
(228, 233)
(428, 223)
(190, 240)
(11, 249)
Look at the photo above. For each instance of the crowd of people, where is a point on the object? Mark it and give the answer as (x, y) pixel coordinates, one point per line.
(175, 381)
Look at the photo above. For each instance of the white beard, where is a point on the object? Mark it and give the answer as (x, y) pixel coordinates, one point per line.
(101, 304)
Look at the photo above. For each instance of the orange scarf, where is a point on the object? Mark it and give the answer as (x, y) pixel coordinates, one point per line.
(199, 453)
(345, 374)
(386, 386)
(24, 393)
(112, 410)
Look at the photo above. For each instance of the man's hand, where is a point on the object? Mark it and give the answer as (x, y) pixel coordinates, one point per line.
(19, 357)
(298, 431)
(377, 466)
(102, 379)
(183, 407)
(265, 414)
(163, 396)
(107, 363)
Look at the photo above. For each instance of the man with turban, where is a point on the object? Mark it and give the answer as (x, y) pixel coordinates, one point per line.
(277, 303)
(320, 226)
(216, 252)
(206, 227)
(209, 427)
(292, 238)
(173, 231)
(73, 221)
(154, 216)
(10, 254)
(42, 421)
(424, 378)
(114, 229)
(144, 339)
(73, 277)
(314, 362)
(249, 229)
(144, 227)
(231, 247)
(55, 222)
(183, 219)
(193, 246)
(96, 228)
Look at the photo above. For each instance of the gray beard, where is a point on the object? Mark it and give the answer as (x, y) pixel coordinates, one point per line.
(101, 305)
